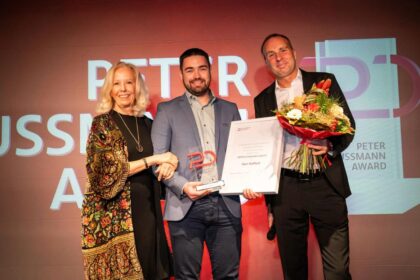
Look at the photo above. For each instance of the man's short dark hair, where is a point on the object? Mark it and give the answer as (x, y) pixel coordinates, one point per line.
(191, 52)
(289, 43)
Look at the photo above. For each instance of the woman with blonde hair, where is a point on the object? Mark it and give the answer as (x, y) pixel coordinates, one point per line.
(122, 227)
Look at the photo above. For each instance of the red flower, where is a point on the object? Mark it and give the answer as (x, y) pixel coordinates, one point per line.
(85, 221)
(116, 228)
(92, 225)
(90, 240)
(324, 85)
(313, 107)
(334, 125)
(105, 221)
(124, 204)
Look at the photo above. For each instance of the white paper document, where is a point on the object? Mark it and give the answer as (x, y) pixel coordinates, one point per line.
(253, 157)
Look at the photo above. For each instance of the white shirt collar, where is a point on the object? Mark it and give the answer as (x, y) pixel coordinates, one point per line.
(193, 98)
(297, 79)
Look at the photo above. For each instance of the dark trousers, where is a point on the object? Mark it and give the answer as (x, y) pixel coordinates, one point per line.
(315, 200)
(208, 220)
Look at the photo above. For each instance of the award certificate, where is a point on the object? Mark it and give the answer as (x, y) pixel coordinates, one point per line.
(254, 156)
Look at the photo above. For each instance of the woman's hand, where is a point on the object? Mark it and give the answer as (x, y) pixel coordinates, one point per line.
(165, 171)
(168, 157)
(167, 163)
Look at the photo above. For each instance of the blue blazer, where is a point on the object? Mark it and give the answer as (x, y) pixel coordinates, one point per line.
(174, 129)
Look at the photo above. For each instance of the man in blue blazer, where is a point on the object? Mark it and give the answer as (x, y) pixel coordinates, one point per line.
(319, 197)
(197, 124)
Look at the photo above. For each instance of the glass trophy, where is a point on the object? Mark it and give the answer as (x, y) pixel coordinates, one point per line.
(200, 161)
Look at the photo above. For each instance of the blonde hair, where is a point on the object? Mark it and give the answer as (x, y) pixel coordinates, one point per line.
(106, 102)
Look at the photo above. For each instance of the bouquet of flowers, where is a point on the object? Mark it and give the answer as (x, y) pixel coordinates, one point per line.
(314, 115)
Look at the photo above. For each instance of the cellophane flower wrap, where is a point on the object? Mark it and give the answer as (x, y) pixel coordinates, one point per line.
(314, 115)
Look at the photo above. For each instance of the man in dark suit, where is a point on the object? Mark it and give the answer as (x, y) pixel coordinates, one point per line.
(318, 197)
(198, 123)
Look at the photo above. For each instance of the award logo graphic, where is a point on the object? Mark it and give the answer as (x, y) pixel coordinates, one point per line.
(198, 162)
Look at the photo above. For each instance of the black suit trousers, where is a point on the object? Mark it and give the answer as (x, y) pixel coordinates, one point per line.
(316, 201)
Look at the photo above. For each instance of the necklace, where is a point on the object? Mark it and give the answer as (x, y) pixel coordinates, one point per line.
(139, 147)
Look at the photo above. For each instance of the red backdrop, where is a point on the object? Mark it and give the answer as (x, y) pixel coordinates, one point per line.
(46, 46)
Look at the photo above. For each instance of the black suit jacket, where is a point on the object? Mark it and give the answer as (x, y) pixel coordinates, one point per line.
(265, 104)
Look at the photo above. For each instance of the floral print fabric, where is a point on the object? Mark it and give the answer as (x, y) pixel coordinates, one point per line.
(108, 247)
